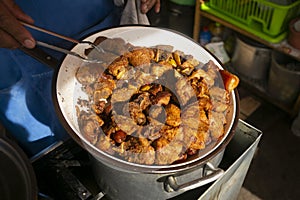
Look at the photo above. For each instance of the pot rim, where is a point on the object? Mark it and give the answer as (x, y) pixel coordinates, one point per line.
(134, 167)
(17, 156)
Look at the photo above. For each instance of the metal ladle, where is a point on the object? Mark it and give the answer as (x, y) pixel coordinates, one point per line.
(56, 48)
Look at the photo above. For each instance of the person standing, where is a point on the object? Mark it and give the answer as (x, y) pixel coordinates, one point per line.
(26, 108)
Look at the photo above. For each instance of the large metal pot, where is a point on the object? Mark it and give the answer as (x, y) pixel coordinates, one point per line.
(114, 174)
(284, 78)
(127, 185)
(251, 59)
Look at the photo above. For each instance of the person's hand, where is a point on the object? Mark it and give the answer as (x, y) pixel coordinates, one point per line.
(146, 5)
(12, 33)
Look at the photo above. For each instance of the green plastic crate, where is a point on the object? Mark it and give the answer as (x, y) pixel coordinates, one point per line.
(262, 18)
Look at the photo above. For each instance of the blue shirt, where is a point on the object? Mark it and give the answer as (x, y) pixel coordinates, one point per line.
(26, 108)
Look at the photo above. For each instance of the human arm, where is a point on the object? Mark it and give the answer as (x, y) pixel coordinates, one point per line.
(12, 32)
(146, 5)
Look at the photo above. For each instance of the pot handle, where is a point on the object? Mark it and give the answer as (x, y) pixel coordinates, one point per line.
(211, 174)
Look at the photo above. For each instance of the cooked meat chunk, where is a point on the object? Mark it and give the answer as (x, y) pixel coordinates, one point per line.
(152, 131)
(143, 100)
(230, 80)
(169, 147)
(177, 55)
(90, 126)
(155, 88)
(118, 67)
(105, 144)
(188, 66)
(159, 70)
(205, 103)
(139, 150)
(157, 113)
(122, 94)
(216, 122)
(135, 112)
(126, 124)
(200, 73)
(162, 98)
(195, 117)
(163, 53)
(219, 94)
(169, 153)
(98, 107)
(173, 115)
(195, 139)
(103, 88)
(219, 106)
(141, 56)
(185, 92)
(89, 73)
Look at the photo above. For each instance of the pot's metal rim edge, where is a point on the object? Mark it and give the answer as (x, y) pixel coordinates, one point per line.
(138, 167)
(18, 156)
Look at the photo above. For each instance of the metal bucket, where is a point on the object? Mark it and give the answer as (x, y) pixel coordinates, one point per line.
(284, 78)
(250, 59)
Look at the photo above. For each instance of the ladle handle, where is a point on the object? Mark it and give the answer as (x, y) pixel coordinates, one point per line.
(50, 32)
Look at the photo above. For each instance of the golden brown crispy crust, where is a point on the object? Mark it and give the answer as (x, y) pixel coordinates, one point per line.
(155, 106)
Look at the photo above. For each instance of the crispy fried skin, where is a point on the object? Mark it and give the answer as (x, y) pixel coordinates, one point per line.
(169, 107)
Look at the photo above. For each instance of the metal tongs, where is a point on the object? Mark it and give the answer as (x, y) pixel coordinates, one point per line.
(56, 48)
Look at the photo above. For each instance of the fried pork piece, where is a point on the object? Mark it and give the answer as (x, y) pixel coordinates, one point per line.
(163, 53)
(141, 56)
(185, 91)
(103, 88)
(195, 139)
(89, 73)
(155, 88)
(118, 67)
(99, 106)
(162, 98)
(156, 115)
(152, 130)
(178, 56)
(158, 70)
(135, 112)
(169, 153)
(219, 94)
(173, 115)
(126, 124)
(230, 80)
(188, 65)
(90, 125)
(205, 103)
(216, 124)
(139, 150)
(105, 144)
(122, 94)
(143, 100)
(195, 117)
(169, 147)
(212, 69)
(219, 106)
